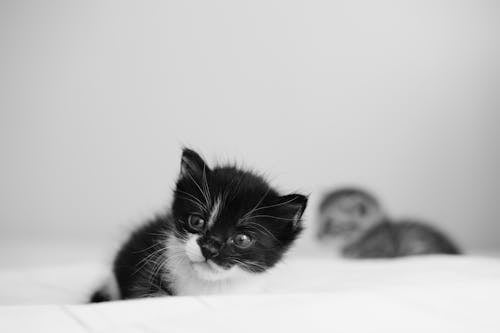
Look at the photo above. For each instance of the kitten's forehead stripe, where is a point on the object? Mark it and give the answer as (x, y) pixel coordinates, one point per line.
(215, 212)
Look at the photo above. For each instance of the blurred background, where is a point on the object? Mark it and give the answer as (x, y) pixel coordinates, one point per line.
(97, 98)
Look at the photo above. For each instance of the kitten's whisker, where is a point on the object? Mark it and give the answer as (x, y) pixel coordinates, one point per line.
(275, 205)
(148, 248)
(206, 184)
(193, 199)
(271, 217)
(177, 191)
(249, 264)
(148, 259)
(260, 267)
(157, 269)
(201, 207)
(262, 228)
(257, 205)
(199, 188)
(149, 256)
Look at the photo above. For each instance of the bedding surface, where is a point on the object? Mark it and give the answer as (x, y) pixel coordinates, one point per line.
(318, 294)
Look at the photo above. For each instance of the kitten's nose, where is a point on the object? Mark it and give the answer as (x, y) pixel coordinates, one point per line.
(209, 247)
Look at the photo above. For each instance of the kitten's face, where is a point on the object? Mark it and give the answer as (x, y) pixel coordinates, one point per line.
(348, 217)
(228, 220)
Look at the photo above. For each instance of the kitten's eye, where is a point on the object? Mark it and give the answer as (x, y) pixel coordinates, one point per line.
(195, 222)
(242, 241)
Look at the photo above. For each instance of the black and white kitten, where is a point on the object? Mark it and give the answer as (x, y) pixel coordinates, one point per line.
(356, 223)
(225, 226)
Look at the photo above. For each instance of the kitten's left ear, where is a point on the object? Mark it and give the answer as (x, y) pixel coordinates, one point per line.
(192, 164)
(295, 205)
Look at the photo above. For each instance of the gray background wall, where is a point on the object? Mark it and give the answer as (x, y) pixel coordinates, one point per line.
(97, 97)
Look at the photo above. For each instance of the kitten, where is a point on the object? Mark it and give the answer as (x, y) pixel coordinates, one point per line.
(355, 219)
(348, 213)
(225, 226)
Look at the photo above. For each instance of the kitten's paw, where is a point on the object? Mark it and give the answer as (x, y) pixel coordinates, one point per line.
(100, 296)
(108, 291)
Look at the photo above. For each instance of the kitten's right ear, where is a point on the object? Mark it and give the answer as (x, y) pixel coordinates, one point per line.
(294, 205)
(192, 164)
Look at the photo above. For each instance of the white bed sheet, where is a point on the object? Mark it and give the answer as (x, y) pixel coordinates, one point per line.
(433, 294)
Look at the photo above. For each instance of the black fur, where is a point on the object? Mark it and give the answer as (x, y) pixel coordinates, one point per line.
(99, 296)
(248, 204)
(135, 264)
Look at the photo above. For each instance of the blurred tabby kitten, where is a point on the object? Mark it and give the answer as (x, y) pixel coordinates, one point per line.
(355, 221)
(225, 226)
